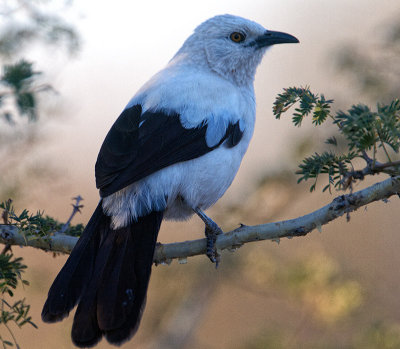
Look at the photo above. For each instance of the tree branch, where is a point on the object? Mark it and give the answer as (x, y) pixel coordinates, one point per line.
(234, 239)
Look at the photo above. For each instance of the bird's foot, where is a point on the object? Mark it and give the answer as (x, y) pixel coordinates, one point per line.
(212, 253)
(212, 231)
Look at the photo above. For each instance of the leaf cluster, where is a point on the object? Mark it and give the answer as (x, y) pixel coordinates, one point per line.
(364, 132)
(10, 273)
(309, 103)
(334, 165)
(19, 85)
(36, 225)
(11, 270)
(365, 129)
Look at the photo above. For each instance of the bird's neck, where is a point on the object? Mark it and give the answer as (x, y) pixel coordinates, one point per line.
(239, 78)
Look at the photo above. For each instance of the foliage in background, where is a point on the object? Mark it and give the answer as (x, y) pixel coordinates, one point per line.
(376, 71)
(27, 26)
(18, 82)
(378, 335)
(316, 280)
(367, 134)
(325, 298)
(24, 24)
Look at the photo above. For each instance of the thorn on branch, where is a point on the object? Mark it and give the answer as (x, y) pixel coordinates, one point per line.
(234, 247)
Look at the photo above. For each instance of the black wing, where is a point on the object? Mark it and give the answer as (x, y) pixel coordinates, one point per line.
(138, 145)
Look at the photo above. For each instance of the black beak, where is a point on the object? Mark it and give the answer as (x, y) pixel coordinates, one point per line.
(272, 38)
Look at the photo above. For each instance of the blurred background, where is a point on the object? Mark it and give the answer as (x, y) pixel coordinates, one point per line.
(335, 289)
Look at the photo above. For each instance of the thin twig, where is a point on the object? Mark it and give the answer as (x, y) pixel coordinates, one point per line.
(381, 166)
(385, 150)
(373, 167)
(75, 210)
(11, 333)
(370, 162)
(6, 248)
(5, 217)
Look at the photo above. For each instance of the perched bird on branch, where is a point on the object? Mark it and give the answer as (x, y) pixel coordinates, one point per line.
(174, 151)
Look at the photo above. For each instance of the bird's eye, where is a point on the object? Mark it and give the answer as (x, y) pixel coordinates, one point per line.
(237, 37)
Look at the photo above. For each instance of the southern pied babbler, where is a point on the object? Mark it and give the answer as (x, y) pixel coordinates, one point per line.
(174, 151)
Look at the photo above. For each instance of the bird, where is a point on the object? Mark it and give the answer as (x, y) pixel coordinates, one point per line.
(172, 153)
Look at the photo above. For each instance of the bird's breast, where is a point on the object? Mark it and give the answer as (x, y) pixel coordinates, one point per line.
(200, 182)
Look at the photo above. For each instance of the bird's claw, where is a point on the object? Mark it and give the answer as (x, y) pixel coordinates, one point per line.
(211, 232)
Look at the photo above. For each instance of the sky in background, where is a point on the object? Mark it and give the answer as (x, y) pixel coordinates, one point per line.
(125, 43)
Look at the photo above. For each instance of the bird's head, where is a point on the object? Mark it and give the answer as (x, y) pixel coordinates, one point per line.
(231, 46)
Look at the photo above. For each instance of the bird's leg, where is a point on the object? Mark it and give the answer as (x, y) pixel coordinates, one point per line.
(212, 230)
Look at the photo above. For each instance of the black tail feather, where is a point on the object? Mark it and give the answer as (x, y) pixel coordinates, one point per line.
(85, 328)
(142, 248)
(69, 284)
(108, 274)
(115, 297)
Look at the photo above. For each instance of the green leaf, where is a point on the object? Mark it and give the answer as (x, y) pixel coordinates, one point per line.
(363, 129)
(26, 104)
(18, 75)
(331, 141)
(326, 163)
(322, 110)
(308, 103)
